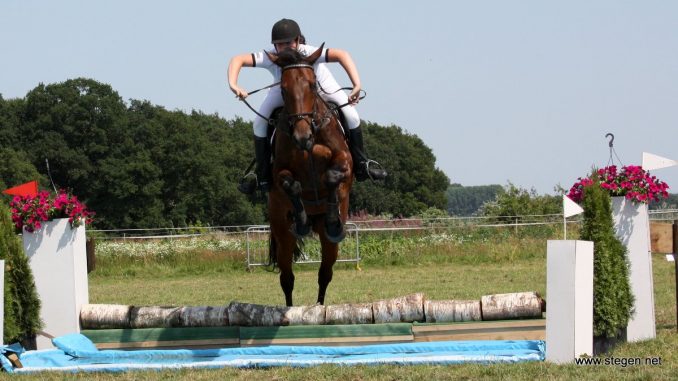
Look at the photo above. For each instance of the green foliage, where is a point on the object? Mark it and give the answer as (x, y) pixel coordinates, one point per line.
(22, 306)
(414, 183)
(142, 166)
(467, 201)
(612, 297)
(516, 201)
(15, 169)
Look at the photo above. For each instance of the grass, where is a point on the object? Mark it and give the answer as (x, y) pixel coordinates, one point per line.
(442, 268)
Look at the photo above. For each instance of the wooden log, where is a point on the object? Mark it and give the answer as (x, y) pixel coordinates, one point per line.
(255, 315)
(304, 315)
(349, 314)
(154, 317)
(405, 309)
(443, 311)
(203, 316)
(105, 316)
(521, 305)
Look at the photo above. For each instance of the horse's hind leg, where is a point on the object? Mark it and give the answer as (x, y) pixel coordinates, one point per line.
(285, 252)
(334, 228)
(302, 225)
(330, 252)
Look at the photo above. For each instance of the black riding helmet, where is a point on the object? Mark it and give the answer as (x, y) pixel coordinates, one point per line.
(285, 30)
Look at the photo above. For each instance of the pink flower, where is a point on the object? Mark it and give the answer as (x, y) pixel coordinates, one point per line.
(632, 182)
(29, 212)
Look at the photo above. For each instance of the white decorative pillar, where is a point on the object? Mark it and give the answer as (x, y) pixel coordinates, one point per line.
(632, 225)
(57, 256)
(569, 296)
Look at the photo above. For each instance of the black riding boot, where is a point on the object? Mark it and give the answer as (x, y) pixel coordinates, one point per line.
(361, 164)
(262, 153)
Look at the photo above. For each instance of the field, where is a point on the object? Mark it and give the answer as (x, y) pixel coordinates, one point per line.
(445, 265)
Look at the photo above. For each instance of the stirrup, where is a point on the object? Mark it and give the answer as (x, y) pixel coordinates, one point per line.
(246, 186)
(367, 168)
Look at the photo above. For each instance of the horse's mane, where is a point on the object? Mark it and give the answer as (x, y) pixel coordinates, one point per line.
(290, 57)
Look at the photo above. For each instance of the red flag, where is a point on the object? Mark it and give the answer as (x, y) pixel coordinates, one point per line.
(27, 189)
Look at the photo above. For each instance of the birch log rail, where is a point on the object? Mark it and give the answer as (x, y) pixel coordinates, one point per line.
(406, 309)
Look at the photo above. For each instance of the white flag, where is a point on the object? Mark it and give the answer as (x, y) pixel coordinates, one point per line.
(651, 162)
(570, 208)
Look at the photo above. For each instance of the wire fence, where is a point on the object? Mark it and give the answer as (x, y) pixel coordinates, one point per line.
(370, 225)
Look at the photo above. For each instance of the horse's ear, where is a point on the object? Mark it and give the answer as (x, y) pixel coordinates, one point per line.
(314, 57)
(273, 57)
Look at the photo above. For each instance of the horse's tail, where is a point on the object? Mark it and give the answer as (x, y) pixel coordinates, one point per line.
(273, 256)
(272, 264)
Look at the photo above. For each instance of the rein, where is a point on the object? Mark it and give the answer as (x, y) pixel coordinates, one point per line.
(267, 119)
(300, 116)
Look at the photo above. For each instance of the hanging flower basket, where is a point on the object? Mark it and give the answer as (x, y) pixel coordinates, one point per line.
(632, 182)
(31, 212)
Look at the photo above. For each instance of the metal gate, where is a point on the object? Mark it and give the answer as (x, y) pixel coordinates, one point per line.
(257, 246)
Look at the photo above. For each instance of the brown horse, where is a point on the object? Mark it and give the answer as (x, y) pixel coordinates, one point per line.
(312, 173)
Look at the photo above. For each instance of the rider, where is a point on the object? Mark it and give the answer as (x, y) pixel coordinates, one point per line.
(286, 34)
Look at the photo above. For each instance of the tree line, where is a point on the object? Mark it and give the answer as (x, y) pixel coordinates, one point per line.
(138, 165)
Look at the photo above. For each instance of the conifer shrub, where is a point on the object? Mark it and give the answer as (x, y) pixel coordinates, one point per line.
(612, 297)
(22, 305)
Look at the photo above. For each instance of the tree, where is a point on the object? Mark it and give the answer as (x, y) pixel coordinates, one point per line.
(414, 183)
(467, 201)
(516, 201)
(16, 168)
(612, 297)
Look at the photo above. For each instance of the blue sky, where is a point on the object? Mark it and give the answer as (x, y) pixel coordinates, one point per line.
(520, 91)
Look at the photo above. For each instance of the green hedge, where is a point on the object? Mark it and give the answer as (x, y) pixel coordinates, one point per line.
(22, 305)
(612, 297)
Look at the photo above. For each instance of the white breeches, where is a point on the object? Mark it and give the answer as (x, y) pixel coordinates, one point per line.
(274, 100)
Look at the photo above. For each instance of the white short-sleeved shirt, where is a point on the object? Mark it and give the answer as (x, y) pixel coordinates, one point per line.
(322, 72)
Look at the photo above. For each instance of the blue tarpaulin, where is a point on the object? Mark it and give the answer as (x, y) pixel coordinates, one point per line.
(76, 353)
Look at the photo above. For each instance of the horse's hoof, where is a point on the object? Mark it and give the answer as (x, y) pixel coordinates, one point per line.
(335, 233)
(300, 231)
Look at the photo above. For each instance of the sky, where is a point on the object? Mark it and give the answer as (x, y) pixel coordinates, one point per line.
(501, 91)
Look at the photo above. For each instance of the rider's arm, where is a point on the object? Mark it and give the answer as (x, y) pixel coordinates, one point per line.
(342, 56)
(234, 67)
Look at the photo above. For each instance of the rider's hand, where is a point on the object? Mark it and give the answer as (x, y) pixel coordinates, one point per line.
(354, 97)
(239, 93)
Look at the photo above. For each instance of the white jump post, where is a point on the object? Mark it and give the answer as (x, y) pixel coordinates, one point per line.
(632, 225)
(57, 255)
(569, 291)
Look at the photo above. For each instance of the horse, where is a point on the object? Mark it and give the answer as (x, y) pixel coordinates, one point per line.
(312, 173)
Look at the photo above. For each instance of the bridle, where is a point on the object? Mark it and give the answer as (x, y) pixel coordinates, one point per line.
(292, 119)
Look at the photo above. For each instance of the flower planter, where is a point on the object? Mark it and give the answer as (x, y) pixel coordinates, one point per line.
(57, 256)
(632, 227)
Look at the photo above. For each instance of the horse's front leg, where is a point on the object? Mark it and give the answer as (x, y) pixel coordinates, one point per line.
(338, 173)
(301, 226)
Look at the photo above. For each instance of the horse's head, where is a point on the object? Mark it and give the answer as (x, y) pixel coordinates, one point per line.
(298, 86)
